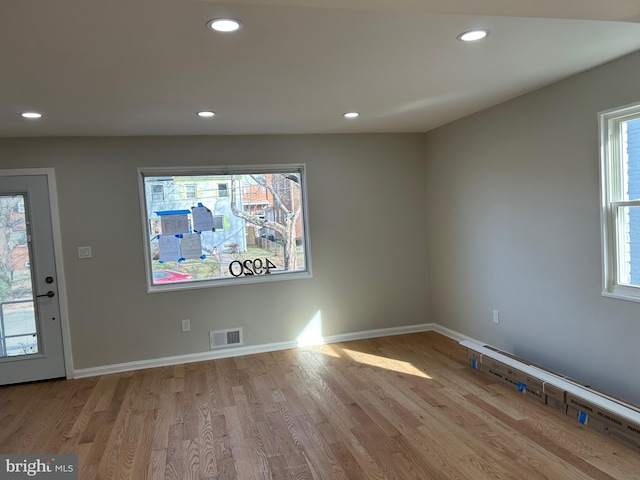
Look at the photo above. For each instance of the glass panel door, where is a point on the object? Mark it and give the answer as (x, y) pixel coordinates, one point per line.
(31, 344)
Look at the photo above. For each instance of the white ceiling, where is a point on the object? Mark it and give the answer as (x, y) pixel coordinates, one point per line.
(145, 67)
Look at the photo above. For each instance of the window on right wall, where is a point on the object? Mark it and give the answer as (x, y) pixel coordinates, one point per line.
(620, 195)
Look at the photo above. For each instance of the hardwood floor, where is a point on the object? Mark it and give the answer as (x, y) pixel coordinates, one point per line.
(402, 407)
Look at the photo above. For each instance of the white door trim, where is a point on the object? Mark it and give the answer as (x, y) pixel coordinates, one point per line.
(57, 251)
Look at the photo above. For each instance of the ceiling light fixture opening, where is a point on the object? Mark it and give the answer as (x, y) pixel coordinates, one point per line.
(206, 114)
(31, 115)
(224, 24)
(473, 35)
(351, 115)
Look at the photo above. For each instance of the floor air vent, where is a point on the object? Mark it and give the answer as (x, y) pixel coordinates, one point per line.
(224, 338)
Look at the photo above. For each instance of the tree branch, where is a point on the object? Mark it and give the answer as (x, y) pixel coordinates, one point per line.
(254, 219)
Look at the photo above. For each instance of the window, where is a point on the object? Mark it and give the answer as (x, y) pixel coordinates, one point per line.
(620, 189)
(215, 237)
(218, 222)
(157, 193)
(190, 191)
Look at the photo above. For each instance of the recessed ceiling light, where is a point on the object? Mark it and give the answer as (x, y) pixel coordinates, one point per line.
(223, 24)
(351, 115)
(31, 115)
(206, 114)
(473, 35)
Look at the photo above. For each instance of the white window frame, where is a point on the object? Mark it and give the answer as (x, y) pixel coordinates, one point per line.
(213, 171)
(612, 195)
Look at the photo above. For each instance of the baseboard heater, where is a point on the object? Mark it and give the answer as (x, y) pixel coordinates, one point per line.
(609, 416)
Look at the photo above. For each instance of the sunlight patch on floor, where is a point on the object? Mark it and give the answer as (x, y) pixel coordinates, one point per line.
(311, 337)
(331, 350)
(384, 362)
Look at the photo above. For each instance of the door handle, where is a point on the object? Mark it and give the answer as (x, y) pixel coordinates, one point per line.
(49, 294)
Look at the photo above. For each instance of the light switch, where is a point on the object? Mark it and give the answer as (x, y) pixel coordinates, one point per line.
(84, 252)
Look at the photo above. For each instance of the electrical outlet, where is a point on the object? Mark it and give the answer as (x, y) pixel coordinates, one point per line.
(496, 316)
(186, 325)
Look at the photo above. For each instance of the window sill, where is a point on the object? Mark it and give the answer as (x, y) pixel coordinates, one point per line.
(194, 284)
(622, 296)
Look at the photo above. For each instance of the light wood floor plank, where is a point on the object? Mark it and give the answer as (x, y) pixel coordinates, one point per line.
(391, 408)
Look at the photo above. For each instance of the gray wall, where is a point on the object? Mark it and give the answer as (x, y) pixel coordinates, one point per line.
(368, 236)
(514, 225)
(512, 209)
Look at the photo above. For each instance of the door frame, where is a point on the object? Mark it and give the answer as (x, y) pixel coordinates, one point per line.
(49, 173)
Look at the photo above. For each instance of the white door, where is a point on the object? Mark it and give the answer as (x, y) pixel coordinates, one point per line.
(31, 346)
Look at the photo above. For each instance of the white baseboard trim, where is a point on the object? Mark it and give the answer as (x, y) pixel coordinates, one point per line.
(380, 332)
(447, 332)
(264, 348)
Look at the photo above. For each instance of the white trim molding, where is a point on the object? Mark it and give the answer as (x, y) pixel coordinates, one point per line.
(447, 332)
(263, 348)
